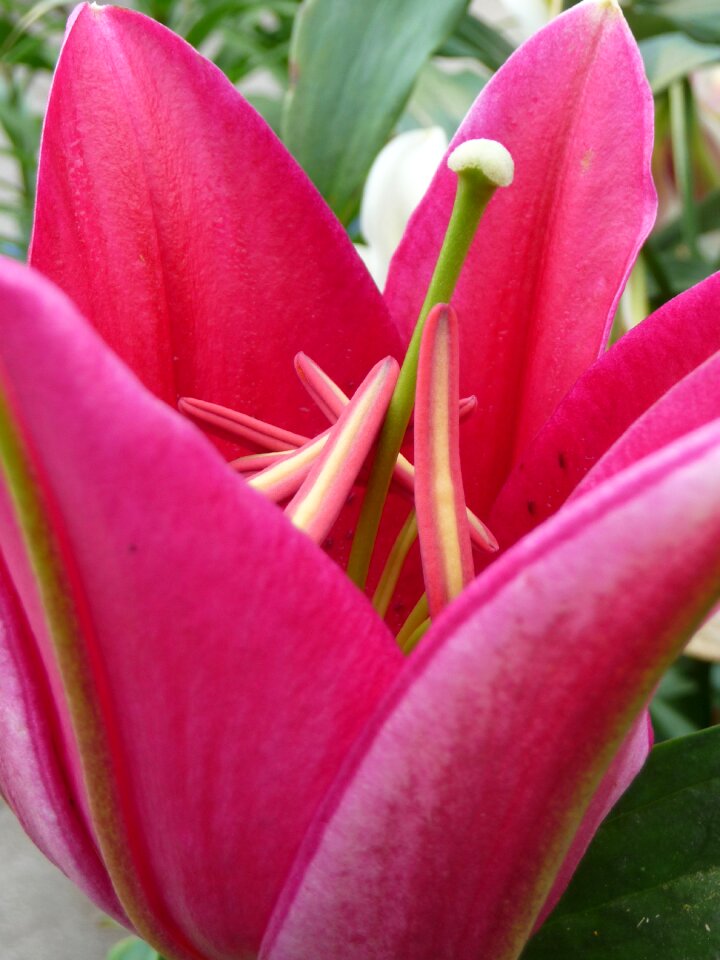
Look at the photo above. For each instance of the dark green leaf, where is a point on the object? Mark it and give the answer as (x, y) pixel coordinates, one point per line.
(682, 703)
(698, 18)
(649, 886)
(353, 67)
(708, 213)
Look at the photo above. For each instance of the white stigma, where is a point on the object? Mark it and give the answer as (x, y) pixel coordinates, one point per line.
(487, 157)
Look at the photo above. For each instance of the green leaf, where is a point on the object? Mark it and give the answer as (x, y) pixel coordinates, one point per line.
(133, 949)
(681, 138)
(697, 18)
(649, 886)
(682, 703)
(708, 212)
(670, 56)
(477, 39)
(353, 65)
(441, 99)
(269, 108)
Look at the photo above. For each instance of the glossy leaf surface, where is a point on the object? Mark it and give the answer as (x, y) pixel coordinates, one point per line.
(650, 883)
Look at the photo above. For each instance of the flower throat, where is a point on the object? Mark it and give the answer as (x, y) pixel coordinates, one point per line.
(314, 478)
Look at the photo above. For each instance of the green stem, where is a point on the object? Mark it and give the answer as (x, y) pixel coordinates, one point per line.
(473, 194)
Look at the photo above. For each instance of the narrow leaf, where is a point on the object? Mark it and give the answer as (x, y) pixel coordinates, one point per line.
(354, 65)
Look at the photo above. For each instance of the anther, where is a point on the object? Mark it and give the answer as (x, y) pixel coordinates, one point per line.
(318, 502)
(330, 398)
(284, 478)
(239, 426)
(443, 526)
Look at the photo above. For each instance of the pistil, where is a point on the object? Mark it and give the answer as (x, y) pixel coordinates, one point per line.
(482, 166)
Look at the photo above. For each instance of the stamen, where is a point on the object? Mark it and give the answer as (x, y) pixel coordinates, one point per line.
(480, 535)
(240, 426)
(258, 461)
(467, 407)
(325, 392)
(331, 399)
(284, 478)
(416, 618)
(394, 564)
(320, 499)
(443, 526)
(404, 474)
(415, 637)
(482, 166)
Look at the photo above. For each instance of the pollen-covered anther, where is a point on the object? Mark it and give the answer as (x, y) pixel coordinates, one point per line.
(486, 158)
(443, 526)
(318, 502)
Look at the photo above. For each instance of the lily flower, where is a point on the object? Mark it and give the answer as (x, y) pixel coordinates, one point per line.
(204, 722)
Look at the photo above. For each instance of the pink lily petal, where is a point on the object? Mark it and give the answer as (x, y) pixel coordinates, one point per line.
(626, 765)
(692, 402)
(614, 392)
(223, 661)
(553, 251)
(185, 232)
(32, 779)
(443, 836)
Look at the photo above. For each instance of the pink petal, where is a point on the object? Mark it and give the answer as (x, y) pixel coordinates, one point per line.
(443, 836)
(228, 662)
(33, 780)
(624, 768)
(553, 250)
(613, 393)
(692, 402)
(182, 228)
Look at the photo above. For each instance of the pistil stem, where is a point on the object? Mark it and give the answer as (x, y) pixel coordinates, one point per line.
(482, 166)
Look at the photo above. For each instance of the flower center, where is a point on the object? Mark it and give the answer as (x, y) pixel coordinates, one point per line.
(313, 478)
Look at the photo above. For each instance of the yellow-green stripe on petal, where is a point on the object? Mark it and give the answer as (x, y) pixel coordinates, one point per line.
(443, 525)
